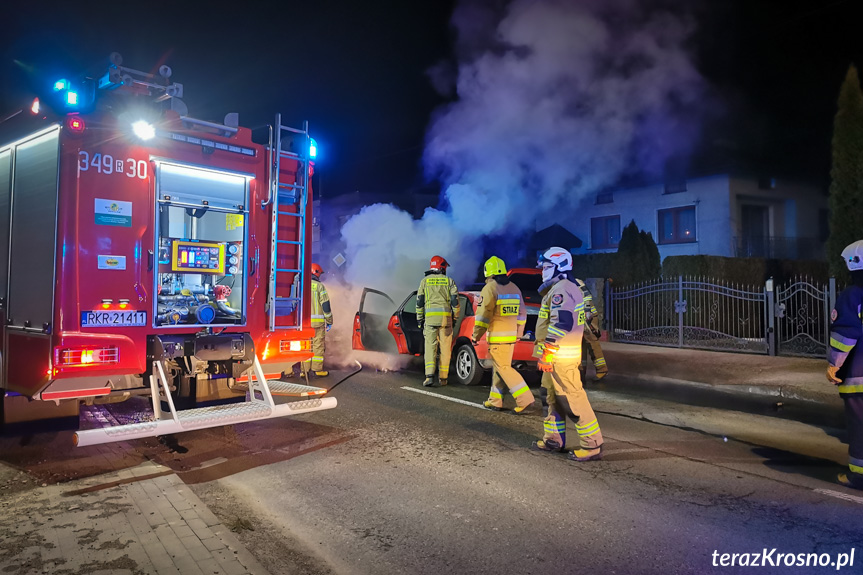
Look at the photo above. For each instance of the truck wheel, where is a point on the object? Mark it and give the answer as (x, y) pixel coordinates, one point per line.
(466, 369)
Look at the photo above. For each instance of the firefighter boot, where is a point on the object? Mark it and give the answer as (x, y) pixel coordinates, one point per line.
(443, 382)
(843, 479)
(489, 405)
(322, 373)
(518, 410)
(428, 381)
(586, 454)
(600, 376)
(548, 445)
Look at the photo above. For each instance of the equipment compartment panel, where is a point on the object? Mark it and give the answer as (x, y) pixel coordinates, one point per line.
(198, 257)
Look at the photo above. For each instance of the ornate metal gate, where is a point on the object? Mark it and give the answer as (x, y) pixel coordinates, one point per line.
(802, 316)
(697, 313)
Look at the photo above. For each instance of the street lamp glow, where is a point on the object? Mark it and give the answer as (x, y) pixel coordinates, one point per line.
(144, 130)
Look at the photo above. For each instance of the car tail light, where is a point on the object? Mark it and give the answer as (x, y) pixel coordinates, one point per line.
(85, 356)
(287, 345)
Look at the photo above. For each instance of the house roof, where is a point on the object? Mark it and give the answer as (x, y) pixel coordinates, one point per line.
(554, 235)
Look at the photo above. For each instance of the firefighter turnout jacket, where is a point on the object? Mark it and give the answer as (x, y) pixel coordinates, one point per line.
(560, 327)
(846, 363)
(589, 308)
(321, 312)
(437, 300)
(500, 311)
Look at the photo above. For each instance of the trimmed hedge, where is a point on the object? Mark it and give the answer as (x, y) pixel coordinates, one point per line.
(747, 271)
(744, 270)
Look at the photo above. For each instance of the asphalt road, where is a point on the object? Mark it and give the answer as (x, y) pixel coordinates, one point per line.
(404, 479)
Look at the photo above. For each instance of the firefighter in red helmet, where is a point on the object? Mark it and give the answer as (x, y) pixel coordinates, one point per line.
(322, 320)
(437, 310)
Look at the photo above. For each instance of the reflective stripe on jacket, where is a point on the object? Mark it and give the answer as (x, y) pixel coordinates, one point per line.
(500, 311)
(845, 334)
(437, 300)
(321, 312)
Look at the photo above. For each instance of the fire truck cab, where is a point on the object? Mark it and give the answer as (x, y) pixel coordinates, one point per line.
(146, 252)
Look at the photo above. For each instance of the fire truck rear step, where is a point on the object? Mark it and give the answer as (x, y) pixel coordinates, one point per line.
(259, 405)
(287, 389)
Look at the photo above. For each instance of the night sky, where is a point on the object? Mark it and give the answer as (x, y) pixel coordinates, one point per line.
(358, 72)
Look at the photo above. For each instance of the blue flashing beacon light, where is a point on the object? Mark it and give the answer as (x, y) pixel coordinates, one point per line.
(72, 98)
(61, 85)
(313, 149)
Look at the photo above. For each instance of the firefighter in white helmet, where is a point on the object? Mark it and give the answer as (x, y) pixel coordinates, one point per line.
(592, 334)
(437, 310)
(559, 332)
(322, 321)
(845, 359)
(501, 316)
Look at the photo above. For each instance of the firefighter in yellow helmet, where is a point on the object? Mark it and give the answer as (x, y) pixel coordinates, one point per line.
(559, 331)
(437, 310)
(592, 334)
(322, 321)
(500, 312)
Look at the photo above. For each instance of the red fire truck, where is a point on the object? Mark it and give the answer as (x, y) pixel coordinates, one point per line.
(144, 252)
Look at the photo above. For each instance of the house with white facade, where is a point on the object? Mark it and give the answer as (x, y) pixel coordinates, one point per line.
(720, 215)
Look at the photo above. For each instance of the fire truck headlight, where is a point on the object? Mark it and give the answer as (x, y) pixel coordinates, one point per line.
(144, 130)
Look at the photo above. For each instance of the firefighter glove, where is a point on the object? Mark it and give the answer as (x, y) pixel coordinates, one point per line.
(329, 325)
(831, 375)
(420, 323)
(544, 366)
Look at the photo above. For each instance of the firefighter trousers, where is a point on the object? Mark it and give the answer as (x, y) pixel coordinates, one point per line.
(505, 376)
(565, 396)
(437, 337)
(318, 348)
(854, 420)
(591, 347)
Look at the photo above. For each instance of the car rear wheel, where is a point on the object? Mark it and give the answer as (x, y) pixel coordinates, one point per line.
(466, 369)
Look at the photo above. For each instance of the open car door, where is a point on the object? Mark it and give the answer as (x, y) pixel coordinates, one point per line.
(372, 321)
(407, 332)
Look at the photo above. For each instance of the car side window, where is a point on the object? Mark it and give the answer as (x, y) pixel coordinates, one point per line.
(466, 306)
(411, 305)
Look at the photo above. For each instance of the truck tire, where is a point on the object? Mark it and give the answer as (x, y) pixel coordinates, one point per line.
(466, 368)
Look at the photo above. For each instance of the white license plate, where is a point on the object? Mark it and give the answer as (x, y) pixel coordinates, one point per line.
(112, 318)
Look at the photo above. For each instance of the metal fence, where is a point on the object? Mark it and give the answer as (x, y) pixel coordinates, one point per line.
(792, 319)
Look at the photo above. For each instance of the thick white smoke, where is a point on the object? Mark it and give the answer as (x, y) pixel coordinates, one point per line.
(555, 101)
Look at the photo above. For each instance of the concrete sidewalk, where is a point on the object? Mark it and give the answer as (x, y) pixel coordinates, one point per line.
(773, 377)
(142, 520)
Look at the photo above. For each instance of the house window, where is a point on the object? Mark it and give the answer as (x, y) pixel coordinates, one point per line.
(677, 225)
(604, 232)
(675, 187)
(604, 198)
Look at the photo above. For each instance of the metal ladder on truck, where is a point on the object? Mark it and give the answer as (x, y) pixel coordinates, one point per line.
(286, 312)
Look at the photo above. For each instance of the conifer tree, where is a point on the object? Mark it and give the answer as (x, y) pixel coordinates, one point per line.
(846, 174)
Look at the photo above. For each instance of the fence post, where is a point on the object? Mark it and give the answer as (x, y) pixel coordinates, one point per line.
(680, 310)
(831, 305)
(609, 318)
(771, 317)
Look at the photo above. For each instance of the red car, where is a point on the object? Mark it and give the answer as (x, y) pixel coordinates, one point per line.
(378, 328)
